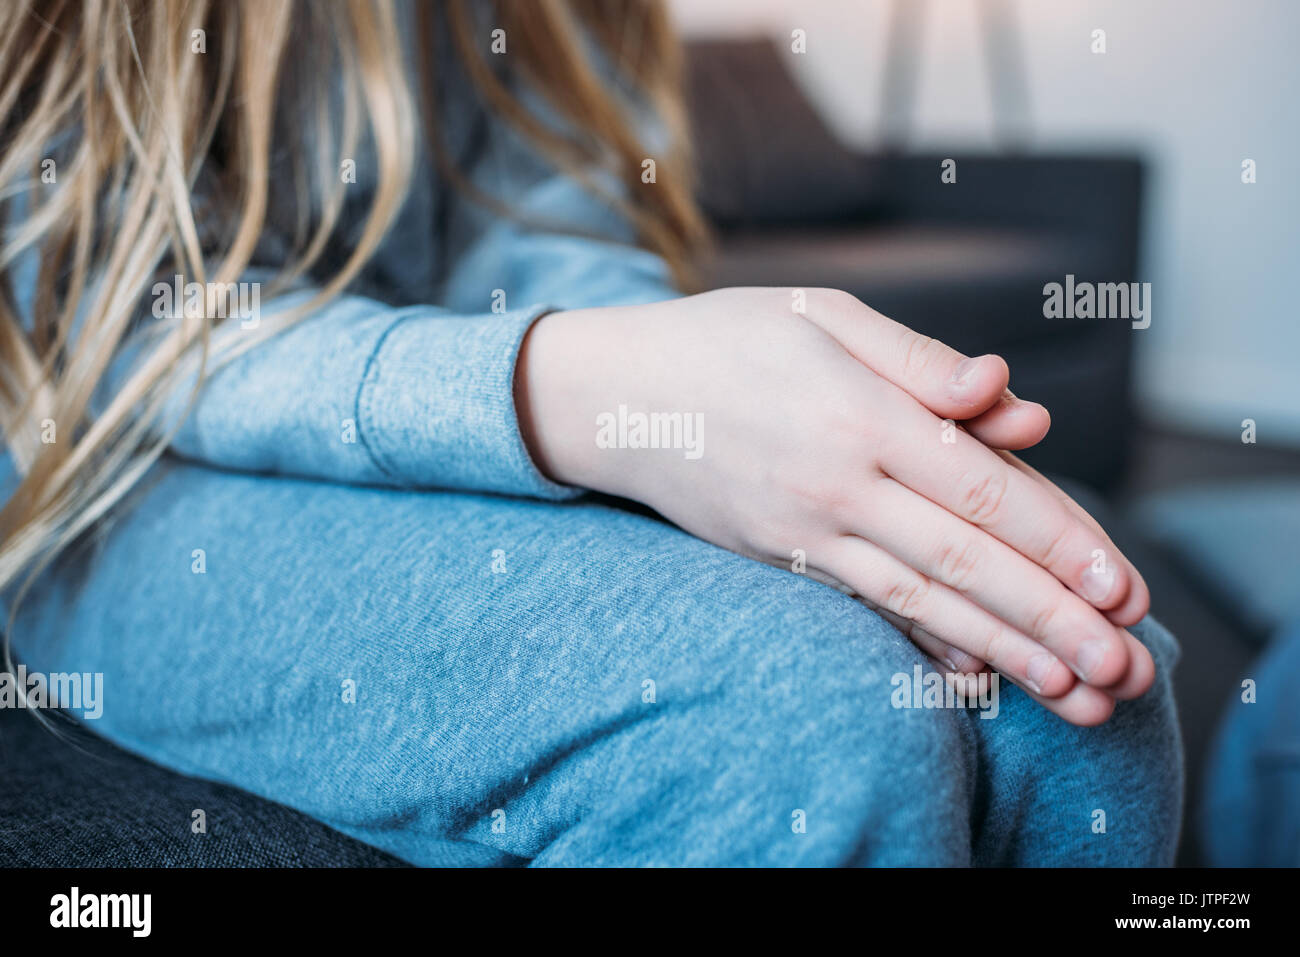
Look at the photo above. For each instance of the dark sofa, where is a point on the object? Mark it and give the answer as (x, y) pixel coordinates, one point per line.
(963, 261)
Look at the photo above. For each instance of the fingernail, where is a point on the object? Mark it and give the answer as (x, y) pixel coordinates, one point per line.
(1097, 585)
(1040, 666)
(1091, 654)
(957, 660)
(963, 374)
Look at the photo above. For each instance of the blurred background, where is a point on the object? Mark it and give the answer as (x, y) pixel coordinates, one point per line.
(1113, 141)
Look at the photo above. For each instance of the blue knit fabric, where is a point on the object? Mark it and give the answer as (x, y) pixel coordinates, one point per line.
(477, 679)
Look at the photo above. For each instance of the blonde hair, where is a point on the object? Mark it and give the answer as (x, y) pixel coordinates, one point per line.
(112, 93)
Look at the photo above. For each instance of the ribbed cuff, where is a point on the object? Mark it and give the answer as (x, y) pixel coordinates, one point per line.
(436, 405)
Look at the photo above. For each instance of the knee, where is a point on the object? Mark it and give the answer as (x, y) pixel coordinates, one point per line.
(1107, 795)
(782, 646)
(791, 711)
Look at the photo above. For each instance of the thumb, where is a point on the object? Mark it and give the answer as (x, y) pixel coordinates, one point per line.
(947, 382)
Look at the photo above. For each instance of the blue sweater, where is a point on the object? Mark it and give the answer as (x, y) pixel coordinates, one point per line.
(407, 379)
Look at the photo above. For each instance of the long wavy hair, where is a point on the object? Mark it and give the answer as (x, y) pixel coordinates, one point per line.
(110, 121)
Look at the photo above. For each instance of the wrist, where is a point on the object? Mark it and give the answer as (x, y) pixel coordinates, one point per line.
(562, 381)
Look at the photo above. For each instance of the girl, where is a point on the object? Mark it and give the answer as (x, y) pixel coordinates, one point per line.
(350, 542)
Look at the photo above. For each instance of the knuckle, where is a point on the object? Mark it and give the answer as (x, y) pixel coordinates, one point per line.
(991, 645)
(843, 422)
(982, 497)
(906, 597)
(819, 497)
(919, 353)
(1056, 547)
(957, 563)
(1044, 619)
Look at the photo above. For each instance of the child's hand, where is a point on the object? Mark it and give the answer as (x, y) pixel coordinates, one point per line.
(824, 434)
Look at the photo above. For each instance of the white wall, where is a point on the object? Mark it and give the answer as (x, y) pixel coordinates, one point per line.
(1195, 85)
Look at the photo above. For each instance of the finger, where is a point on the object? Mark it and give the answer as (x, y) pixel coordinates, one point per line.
(942, 379)
(1079, 708)
(958, 472)
(948, 656)
(1011, 423)
(1135, 607)
(1141, 673)
(943, 614)
(944, 654)
(1083, 705)
(989, 574)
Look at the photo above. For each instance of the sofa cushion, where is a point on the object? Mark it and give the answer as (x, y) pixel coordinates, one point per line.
(71, 799)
